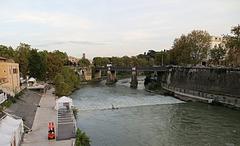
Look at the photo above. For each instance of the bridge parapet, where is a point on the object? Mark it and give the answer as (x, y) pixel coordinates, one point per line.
(161, 68)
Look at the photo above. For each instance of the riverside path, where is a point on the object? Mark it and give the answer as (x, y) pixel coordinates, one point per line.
(44, 114)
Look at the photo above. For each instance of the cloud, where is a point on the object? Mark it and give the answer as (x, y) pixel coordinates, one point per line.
(53, 43)
(55, 20)
(115, 27)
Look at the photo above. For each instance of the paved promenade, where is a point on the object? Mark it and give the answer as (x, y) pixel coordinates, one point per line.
(44, 114)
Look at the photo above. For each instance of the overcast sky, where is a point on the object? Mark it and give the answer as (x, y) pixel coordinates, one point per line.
(111, 27)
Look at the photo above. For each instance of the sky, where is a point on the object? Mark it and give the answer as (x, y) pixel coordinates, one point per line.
(111, 27)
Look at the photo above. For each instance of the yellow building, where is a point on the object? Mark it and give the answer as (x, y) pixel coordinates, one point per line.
(9, 76)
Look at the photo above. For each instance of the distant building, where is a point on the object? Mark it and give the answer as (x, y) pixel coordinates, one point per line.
(215, 42)
(86, 73)
(9, 76)
(73, 60)
(84, 56)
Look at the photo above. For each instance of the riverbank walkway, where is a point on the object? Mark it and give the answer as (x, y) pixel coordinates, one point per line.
(44, 114)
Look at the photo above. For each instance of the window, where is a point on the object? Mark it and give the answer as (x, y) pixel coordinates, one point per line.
(14, 70)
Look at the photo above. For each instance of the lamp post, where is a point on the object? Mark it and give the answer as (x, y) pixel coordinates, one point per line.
(162, 55)
(162, 59)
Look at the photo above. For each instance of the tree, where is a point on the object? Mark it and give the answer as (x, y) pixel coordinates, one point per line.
(22, 58)
(142, 62)
(181, 50)
(61, 88)
(55, 61)
(217, 54)
(117, 61)
(84, 62)
(44, 67)
(70, 77)
(162, 57)
(151, 53)
(65, 81)
(100, 61)
(61, 56)
(35, 64)
(233, 45)
(199, 42)
(7, 52)
(191, 48)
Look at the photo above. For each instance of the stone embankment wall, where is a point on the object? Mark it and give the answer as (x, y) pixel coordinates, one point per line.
(221, 85)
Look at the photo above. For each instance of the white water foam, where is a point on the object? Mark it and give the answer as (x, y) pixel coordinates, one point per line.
(120, 96)
(123, 101)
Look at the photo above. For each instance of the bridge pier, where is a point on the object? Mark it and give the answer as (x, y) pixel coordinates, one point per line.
(111, 77)
(134, 81)
(85, 73)
(98, 74)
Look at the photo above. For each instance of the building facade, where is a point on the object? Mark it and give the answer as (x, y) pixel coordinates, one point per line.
(215, 42)
(73, 60)
(85, 73)
(9, 76)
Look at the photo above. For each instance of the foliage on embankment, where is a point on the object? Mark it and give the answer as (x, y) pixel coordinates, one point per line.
(82, 139)
(66, 82)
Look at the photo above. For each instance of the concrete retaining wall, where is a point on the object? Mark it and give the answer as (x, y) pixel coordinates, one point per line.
(221, 85)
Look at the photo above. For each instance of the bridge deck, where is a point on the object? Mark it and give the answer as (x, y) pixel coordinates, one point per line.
(130, 68)
(166, 68)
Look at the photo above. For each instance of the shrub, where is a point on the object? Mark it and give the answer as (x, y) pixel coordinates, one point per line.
(81, 138)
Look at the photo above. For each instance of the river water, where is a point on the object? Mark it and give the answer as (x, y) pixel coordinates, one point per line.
(147, 119)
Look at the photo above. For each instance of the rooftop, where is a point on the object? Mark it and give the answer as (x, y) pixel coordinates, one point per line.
(2, 58)
(2, 114)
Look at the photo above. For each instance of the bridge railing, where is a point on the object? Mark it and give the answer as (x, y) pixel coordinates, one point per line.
(130, 68)
(166, 68)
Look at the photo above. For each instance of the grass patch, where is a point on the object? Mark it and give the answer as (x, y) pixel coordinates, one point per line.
(11, 100)
(19, 94)
(7, 103)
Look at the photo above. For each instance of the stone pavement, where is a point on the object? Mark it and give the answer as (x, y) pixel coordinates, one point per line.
(44, 114)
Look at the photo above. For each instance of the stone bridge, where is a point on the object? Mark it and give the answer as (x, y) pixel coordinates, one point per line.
(112, 73)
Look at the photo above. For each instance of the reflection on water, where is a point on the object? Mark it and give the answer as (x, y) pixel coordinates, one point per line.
(146, 119)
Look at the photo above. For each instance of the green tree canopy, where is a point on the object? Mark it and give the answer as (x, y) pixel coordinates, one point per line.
(23, 51)
(100, 61)
(66, 81)
(217, 54)
(55, 62)
(191, 48)
(162, 57)
(84, 62)
(61, 88)
(7, 52)
(233, 45)
(37, 66)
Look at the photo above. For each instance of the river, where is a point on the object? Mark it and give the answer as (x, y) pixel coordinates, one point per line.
(147, 119)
